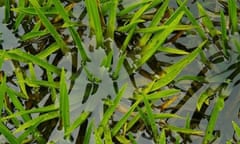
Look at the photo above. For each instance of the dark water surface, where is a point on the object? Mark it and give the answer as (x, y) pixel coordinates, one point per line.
(221, 70)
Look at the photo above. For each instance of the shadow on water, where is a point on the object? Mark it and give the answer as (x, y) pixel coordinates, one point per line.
(218, 75)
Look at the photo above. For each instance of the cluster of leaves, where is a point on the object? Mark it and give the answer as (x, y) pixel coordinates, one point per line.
(107, 19)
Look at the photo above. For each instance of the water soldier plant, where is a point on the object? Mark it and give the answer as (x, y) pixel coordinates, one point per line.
(111, 71)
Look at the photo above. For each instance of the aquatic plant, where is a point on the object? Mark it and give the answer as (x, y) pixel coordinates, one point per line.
(114, 71)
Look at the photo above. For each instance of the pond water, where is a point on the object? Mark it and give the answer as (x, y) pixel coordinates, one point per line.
(86, 95)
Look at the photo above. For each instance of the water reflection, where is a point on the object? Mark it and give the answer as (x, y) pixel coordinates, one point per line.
(8, 37)
(218, 75)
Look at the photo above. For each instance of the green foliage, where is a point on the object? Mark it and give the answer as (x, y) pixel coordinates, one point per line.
(64, 103)
(206, 21)
(95, 19)
(112, 18)
(77, 123)
(224, 32)
(7, 11)
(204, 98)
(111, 110)
(219, 104)
(49, 26)
(236, 128)
(19, 55)
(158, 39)
(39, 91)
(69, 24)
(232, 10)
(175, 69)
(157, 17)
(7, 133)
